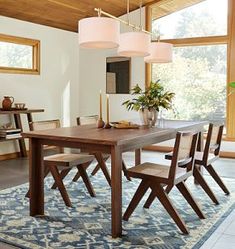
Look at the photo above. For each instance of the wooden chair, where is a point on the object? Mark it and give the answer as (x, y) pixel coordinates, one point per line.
(59, 165)
(211, 153)
(101, 158)
(205, 159)
(155, 177)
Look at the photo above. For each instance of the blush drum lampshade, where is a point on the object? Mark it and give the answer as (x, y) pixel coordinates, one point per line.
(134, 44)
(160, 52)
(99, 32)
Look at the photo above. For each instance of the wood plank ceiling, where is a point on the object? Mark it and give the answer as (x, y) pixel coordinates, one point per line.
(63, 14)
(165, 7)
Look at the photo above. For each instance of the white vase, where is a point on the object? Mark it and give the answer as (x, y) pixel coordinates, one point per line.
(148, 117)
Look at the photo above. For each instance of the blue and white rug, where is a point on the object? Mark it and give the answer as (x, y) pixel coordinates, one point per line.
(88, 223)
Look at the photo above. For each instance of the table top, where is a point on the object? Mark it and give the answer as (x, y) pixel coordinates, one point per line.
(18, 111)
(91, 134)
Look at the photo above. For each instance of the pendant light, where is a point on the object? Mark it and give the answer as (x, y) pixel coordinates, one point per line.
(160, 52)
(135, 43)
(99, 32)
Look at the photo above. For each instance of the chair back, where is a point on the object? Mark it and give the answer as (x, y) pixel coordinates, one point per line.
(86, 120)
(44, 125)
(213, 140)
(183, 153)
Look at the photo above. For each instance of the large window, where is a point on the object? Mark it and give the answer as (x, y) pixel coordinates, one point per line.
(198, 74)
(19, 55)
(198, 78)
(208, 18)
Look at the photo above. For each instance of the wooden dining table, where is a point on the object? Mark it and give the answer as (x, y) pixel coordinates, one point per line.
(90, 138)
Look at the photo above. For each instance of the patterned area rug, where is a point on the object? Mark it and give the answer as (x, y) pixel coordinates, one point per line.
(88, 224)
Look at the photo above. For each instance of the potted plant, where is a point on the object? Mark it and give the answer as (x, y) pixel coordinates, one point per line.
(149, 102)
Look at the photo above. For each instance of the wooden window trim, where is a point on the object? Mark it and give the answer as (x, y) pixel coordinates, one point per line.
(228, 39)
(36, 55)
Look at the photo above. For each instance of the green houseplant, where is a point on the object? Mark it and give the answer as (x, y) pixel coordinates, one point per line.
(149, 102)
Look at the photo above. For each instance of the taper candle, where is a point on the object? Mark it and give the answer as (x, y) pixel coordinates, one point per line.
(107, 108)
(100, 104)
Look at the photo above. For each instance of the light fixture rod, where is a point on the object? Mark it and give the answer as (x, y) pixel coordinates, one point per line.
(122, 21)
(141, 26)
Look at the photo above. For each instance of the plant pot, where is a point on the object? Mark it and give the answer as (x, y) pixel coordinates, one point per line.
(148, 117)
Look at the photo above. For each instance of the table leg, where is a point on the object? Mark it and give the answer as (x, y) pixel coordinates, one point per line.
(116, 183)
(36, 177)
(29, 117)
(22, 146)
(137, 157)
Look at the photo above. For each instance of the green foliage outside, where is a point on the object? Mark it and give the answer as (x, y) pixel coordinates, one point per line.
(15, 55)
(197, 74)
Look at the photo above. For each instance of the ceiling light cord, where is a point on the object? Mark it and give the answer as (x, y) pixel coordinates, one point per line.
(128, 10)
(141, 26)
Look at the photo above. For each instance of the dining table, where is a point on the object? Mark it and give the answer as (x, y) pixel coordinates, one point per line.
(112, 141)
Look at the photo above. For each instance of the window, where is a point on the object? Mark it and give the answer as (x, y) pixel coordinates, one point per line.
(198, 78)
(203, 63)
(19, 55)
(208, 18)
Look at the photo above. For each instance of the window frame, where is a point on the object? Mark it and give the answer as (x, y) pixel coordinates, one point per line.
(229, 40)
(35, 44)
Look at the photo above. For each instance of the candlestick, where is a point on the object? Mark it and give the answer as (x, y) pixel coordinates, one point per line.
(108, 108)
(107, 125)
(100, 122)
(100, 104)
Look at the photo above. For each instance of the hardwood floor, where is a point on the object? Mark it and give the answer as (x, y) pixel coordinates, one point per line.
(15, 172)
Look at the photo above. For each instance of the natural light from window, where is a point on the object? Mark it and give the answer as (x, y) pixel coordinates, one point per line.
(198, 73)
(198, 78)
(208, 18)
(16, 55)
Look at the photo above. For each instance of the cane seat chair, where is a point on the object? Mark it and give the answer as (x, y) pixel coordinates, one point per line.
(211, 153)
(156, 177)
(205, 159)
(60, 164)
(100, 157)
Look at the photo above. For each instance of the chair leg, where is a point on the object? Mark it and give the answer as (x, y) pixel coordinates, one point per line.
(46, 172)
(97, 167)
(152, 196)
(63, 174)
(188, 196)
(95, 170)
(216, 177)
(141, 190)
(200, 179)
(103, 167)
(85, 166)
(164, 199)
(150, 200)
(76, 177)
(168, 188)
(124, 169)
(86, 180)
(56, 175)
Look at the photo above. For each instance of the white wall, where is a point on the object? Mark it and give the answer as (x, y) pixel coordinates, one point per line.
(92, 79)
(70, 78)
(56, 88)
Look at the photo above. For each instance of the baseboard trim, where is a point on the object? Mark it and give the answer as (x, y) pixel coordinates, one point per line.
(165, 149)
(9, 156)
(158, 148)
